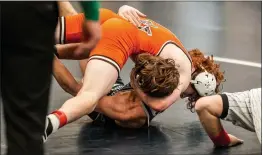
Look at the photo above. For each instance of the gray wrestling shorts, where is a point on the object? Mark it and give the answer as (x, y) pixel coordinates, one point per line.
(243, 109)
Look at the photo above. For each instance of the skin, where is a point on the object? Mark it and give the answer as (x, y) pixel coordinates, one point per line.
(76, 51)
(60, 72)
(129, 113)
(209, 113)
(90, 93)
(209, 116)
(119, 111)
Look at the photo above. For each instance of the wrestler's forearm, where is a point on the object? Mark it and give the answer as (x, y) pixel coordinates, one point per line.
(64, 78)
(66, 8)
(67, 51)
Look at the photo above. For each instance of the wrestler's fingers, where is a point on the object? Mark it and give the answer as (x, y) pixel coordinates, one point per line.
(123, 16)
(136, 18)
(140, 13)
(130, 19)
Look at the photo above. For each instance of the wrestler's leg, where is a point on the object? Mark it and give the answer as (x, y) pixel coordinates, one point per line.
(105, 62)
(82, 65)
(256, 103)
(210, 109)
(243, 109)
(94, 87)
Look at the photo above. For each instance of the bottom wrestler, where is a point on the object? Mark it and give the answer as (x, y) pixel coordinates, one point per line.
(241, 108)
(127, 110)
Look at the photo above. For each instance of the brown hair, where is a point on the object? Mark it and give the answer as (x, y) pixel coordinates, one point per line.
(155, 76)
(200, 62)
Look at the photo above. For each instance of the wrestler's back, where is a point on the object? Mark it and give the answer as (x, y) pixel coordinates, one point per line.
(149, 37)
(152, 37)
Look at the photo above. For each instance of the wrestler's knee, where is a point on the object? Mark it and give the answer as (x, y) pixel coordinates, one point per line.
(202, 105)
(89, 99)
(210, 104)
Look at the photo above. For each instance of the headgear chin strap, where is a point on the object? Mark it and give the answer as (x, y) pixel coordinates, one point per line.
(204, 83)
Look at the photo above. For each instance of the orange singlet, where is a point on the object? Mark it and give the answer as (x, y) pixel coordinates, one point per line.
(120, 39)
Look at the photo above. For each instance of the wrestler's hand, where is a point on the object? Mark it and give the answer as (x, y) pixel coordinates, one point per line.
(131, 14)
(234, 141)
(91, 36)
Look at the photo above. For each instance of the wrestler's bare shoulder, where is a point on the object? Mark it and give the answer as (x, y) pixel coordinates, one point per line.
(182, 62)
(172, 51)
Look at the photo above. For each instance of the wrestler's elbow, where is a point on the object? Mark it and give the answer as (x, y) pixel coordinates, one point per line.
(200, 105)
(160, 106)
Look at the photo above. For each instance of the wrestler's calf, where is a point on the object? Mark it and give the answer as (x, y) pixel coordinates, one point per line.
(209, 110)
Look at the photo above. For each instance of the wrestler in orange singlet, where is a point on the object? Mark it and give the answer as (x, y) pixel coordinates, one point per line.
(120, 39)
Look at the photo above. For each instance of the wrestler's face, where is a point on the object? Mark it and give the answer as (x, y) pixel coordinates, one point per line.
(189, 92)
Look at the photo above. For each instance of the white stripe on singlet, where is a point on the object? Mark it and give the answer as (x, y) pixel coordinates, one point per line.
(62, 32)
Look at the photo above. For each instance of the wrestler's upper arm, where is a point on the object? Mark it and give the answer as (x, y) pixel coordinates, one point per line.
(66, 8)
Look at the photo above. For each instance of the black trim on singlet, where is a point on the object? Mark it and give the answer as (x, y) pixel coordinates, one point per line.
(225, 105)
(91, 58)
(65, 30)
(171, 42)
(60, 31)
(127, 87)
(151, 116)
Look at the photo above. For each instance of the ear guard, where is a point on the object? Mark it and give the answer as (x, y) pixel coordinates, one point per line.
(204, 83)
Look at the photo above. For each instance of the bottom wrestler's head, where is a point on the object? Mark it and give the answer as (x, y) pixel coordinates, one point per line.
(206, 78)
(155, 76)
